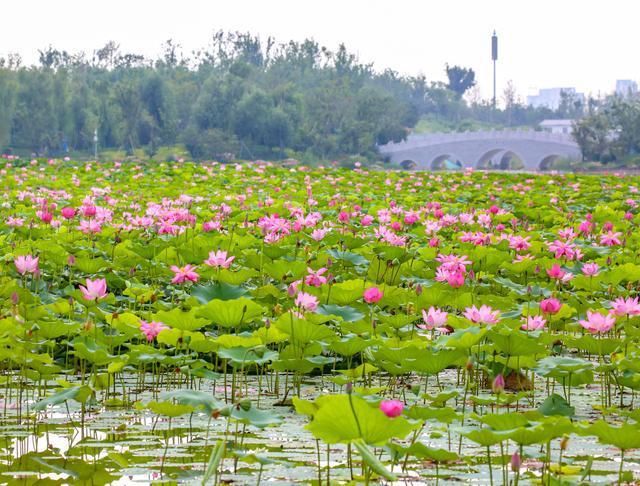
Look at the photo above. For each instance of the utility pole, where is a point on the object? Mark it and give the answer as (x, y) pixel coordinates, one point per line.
(494, 58)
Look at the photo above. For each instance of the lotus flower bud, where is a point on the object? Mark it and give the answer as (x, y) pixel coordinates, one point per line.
(392, 408)
(469, 365)
(516, 462)
(498, 384)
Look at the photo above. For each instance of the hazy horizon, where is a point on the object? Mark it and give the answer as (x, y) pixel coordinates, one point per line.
(542, 45)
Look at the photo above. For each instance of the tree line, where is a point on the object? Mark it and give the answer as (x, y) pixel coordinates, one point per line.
(240, 97)
(610, 131)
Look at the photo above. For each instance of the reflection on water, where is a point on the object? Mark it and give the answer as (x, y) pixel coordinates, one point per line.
(123, 446)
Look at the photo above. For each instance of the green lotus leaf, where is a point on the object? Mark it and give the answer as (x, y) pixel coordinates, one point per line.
(346, 313)
(247, 356)
(554, 404)
(217, 290)
(348, 258)
(437, 455)
(231, 313)
(79, 394)
(180, 319)
(169, 409)
(301, 331)
(347, 292)
(344, 418)
(195, 399)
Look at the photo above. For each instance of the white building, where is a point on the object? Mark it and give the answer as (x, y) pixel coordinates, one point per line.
(626, 87)
(552, 97)
(557, 126)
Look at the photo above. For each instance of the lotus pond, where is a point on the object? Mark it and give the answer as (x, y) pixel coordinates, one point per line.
(203, 324)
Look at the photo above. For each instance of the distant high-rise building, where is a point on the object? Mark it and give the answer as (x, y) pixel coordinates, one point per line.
(626, 87)
(552, 97)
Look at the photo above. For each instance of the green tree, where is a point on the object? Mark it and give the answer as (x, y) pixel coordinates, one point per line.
(592, 135)
(460, 79)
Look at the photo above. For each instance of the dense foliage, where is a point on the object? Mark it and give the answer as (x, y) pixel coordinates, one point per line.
(611, 131)
(465, 326)
(240, 97)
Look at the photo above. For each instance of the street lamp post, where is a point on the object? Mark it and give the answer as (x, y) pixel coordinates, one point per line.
(95, 144)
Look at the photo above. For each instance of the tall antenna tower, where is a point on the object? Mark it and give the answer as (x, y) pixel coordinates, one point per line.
(494, 58)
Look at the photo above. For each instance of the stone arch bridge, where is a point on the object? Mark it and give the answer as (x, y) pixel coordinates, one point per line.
(482, 149)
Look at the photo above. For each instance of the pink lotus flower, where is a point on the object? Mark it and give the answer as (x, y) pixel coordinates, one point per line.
(533, 323)
(315, 278)
(89, 211)
(90, 226)
(610, 239)
(590, 269)
(453, 277)
(13, 222)
(366, 220)
(95, 289)
(26, 264)
(557, 273)
(550, 306)
(319, 234)
(483, 315)
(561, 249)
(219, 259)
(45, 216)
(151, 329)
(433, 318)
(585, 227)
(597, 322)
(626, 307)
(343, 217)
(306, 301)
(372, 295)
(208, 226)
(184, 274)
(519, 243)
(392, 408)
(68, 212)
(454, 262)
(292, 289)
(411, 217)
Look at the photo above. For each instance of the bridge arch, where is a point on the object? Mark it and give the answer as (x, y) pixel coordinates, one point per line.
(408, 164)
(484, 161)
(510, 160)
(446, 162)
(547, 162)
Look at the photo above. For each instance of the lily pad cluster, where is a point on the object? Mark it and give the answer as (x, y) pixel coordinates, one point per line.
(421, 323)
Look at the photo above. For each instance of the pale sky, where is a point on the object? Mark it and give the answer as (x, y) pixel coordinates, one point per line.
(586, 44)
